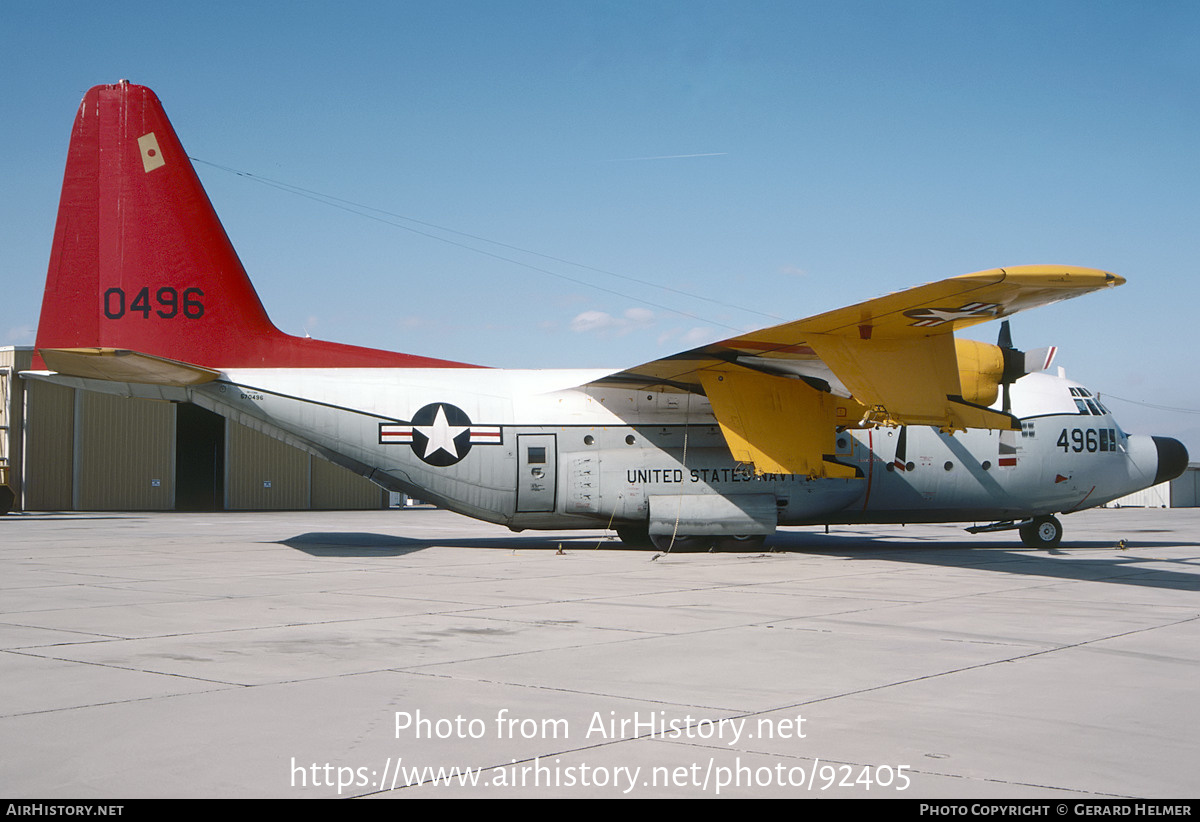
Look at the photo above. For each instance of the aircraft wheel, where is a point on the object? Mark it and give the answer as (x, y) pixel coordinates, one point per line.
(745, 542)
(1042, 532)
(6, 499)
(634, 536)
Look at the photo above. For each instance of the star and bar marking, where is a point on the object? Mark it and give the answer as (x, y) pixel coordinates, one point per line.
(440, 434)
(927, 317)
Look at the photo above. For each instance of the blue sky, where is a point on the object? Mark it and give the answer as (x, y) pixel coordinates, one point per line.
(775, 159)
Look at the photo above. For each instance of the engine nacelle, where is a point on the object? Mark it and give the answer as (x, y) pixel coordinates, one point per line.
(980, 370)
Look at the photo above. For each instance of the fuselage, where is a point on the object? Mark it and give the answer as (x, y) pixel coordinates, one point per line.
(531, 449)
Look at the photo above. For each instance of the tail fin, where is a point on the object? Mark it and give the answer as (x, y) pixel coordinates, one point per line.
(140, 260)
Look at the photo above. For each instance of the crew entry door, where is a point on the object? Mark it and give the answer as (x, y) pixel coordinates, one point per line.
(537, 457)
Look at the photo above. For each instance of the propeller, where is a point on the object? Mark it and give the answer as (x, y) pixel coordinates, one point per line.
(1018, 363)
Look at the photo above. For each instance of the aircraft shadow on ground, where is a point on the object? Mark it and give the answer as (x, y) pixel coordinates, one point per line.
(47, 516)
(1123, 567)
(359, 544)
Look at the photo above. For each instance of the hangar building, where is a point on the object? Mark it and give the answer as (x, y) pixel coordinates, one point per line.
(75, 450)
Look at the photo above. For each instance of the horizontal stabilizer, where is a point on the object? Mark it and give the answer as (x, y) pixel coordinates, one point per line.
(118, 365)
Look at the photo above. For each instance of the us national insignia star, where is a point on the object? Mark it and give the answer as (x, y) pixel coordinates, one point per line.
(440, 436)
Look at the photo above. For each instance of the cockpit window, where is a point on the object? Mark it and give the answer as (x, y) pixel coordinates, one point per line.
(1086, 402)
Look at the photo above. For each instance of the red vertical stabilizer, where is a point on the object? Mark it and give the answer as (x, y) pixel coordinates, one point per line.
(141, 262)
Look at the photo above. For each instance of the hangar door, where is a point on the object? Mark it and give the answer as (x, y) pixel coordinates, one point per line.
(199, 459)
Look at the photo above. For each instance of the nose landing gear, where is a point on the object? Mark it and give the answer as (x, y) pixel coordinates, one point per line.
(1041, 532)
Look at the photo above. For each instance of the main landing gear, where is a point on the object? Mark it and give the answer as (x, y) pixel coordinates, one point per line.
(639, 537)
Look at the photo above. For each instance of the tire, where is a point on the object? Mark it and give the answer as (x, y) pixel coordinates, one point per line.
(638, 537)
(6, 499)
(1042, 532)
(635, 537)
(689, 544)
(746, 542)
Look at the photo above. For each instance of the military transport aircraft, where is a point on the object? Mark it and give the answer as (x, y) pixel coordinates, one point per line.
(871, 413)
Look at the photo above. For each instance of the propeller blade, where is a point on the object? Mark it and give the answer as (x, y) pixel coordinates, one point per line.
(901, 450)
(1005, 338)
(1018, 363)
(1039, 359)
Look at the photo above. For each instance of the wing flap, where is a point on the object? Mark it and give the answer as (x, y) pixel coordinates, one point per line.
(779, 425)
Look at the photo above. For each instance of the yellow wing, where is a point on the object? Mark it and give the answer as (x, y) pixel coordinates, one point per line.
(780, 393)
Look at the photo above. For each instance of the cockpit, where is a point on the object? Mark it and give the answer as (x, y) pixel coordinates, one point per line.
(1087, 403)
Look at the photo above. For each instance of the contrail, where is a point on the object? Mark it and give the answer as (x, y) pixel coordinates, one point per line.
(669, 157)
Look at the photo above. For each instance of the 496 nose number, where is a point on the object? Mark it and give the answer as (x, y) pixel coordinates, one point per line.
(168, 303)
(1088, 439)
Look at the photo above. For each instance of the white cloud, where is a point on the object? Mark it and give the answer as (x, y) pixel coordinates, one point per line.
(603, 323)
(691, 338)
(592, 321)
(701, 335)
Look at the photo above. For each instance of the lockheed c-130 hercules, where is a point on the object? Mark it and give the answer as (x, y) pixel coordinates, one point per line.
(873, 413)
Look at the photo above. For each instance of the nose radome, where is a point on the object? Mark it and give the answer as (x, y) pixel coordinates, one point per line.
(1172, 459)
